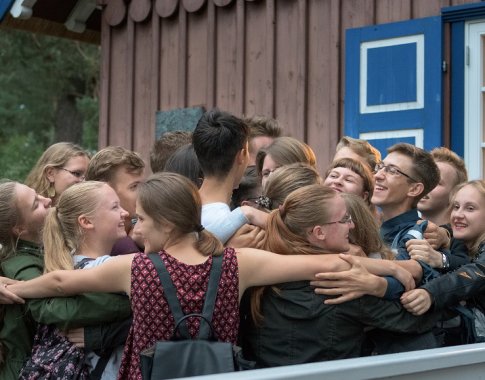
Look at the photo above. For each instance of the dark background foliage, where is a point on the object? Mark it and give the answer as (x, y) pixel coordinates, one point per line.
(48, 93)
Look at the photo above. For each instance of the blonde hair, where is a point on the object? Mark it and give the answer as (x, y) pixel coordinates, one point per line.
(55, 156)
(366, 232)
(287, 226)
(286, 150)
(9, 218)
(287, 179)
(479, 185)
(362, 148)
(62, 233)
(173, 198)
(449, 157)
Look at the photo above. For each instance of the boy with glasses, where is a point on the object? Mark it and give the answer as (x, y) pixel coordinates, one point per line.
(405, 175)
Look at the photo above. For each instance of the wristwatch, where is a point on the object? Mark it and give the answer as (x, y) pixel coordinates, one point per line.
(445, 264)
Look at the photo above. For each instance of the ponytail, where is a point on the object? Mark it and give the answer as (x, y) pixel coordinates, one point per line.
(208, 244)
(58, 253)
(280, 239)
(287, 227)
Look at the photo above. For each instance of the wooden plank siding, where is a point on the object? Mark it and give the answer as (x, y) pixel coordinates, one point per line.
(277, 58)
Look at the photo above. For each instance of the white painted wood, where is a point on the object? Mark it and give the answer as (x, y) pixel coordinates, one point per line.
(418, 135)
(474, 84)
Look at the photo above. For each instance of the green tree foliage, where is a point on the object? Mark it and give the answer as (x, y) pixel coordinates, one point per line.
(36, 72)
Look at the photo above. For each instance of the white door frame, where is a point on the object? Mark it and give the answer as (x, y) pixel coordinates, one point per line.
(474, 98)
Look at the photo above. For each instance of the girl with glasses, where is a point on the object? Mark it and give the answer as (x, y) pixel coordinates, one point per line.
(290, 323)
(60, 166)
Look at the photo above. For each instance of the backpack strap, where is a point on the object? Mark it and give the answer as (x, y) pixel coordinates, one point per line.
(170, 293)
(173, 302)
(210, 296)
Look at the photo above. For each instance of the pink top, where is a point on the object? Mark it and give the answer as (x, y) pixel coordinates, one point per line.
(152, 319)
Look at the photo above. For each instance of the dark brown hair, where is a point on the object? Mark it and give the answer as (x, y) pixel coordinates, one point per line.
(171, 197)
(424, 169)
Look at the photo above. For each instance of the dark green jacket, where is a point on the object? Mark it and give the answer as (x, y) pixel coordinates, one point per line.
(19, 324)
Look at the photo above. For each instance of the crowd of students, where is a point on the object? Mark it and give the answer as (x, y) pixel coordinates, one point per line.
(378, 256)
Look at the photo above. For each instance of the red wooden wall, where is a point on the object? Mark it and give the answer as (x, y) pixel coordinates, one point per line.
(279, 58)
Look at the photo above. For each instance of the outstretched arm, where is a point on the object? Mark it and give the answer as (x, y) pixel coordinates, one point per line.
(112, 276)
(259, 268)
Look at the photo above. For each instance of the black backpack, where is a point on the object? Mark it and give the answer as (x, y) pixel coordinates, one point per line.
(182, 356)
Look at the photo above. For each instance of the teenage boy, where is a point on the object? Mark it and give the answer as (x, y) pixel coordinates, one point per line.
(123, 170)
(405, 176)
(220, 141)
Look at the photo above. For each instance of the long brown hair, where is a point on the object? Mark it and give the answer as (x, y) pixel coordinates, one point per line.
(287, 227)
(366, 232)
(171, 197)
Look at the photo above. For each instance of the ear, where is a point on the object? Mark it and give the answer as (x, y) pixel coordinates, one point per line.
(415, 190)
(84, 222)
(318, 234)
(365, 195)
(240, 157)
(50, 172)
(18, 230)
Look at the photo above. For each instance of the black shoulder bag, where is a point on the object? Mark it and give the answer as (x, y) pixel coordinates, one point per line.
(182, 356)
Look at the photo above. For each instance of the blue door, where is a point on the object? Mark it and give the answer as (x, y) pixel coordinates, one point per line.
(393, 81)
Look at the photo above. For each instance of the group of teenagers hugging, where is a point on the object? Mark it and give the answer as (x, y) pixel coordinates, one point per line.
(314, 267)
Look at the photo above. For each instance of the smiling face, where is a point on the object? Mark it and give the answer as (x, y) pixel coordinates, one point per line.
(392, 193)
(345, 180)
(333, 236)
(338, 233)
(468, 215)
(72, 172)
(33, 210)
(109, 217)
(439, 198)
(155, 235)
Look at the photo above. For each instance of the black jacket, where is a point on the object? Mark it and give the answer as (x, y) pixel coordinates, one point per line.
(299, 328)
(466, 283)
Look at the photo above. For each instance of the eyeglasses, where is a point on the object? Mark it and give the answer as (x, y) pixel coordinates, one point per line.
(347, 219)
(75, 173)
(392, 170)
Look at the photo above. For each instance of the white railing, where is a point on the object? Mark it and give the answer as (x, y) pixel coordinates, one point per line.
(448, 363)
